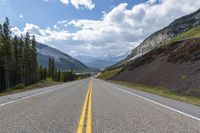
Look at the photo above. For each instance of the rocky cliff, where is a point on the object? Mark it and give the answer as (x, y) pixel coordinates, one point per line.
(172, 30)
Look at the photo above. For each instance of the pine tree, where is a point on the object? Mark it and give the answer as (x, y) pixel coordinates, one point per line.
(59, 76)
(53, 68)
(2, 81)
(15, 72)
(6, 53)
(21, 67)
(45, 73)
(40, 73)
(49, 67)
(27, 58)
(34, 59)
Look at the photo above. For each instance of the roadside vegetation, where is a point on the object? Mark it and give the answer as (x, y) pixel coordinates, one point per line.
(109, 73)
(21, 87)
(19, 68)
(192, 33)
(18, 58)
(161, 92)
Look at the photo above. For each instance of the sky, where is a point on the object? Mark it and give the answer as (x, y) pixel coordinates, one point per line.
(96, 28)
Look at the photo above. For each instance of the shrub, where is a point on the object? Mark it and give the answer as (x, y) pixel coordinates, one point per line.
(18, 86)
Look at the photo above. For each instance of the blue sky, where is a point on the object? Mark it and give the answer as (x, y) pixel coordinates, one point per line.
(45, 13)
(94, 28)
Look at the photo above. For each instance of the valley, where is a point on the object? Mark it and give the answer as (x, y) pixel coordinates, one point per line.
(109, 66)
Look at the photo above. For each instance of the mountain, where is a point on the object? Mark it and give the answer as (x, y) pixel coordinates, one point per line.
(174, 67)
(162, 36)
(100, 62)
(62, 60)
(169, 58)
(172, 30)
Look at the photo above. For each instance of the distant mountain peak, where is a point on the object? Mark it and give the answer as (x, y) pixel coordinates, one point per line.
(101, 62)
(62, 60)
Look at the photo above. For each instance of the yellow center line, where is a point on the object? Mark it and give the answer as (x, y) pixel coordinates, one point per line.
(89, 115)
(88, 100)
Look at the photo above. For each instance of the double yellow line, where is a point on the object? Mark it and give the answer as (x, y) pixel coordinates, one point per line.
(87, 108)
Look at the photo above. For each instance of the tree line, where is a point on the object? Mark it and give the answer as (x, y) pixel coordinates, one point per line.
(18, 61)
(55, 74)
(18, 58)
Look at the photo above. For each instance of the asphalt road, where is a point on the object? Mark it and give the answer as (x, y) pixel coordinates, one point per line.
(95, 106)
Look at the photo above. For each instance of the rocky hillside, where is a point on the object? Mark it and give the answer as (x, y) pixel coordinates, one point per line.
(175, 66)
(62, 60)
(172, 30)
(169, 58)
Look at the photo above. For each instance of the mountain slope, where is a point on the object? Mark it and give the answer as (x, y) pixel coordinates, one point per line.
(62, 60)
(168, 59)
(194, 32)
(175, 28)
(182, 28)
(101, 62)
(174, 67)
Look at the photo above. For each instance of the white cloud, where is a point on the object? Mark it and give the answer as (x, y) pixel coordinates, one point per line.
(118, 31)
(130, 26)
(16, 31)
(65, 1)
(21, 16)
(55, 27)
(42, 35)
(62, 22)
(88, 4)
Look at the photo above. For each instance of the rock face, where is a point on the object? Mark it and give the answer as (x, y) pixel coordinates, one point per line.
(177, 27)
(63, 61)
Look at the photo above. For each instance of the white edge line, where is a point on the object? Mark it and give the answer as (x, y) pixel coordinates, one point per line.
(40, 93)
(178, 111)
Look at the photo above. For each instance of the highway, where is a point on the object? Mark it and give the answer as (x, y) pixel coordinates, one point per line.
(93, 105)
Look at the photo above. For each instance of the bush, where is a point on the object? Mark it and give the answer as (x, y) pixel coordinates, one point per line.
(43, 81)
(49, 80)
(18, 87)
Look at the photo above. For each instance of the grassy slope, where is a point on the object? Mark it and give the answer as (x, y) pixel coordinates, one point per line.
(109, 73)
(194, 32)
(161, 92)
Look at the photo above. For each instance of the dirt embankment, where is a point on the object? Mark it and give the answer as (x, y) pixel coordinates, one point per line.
(175, 67)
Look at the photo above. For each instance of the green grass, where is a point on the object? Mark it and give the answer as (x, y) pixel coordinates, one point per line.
(194, 32)
(161, 92)
(21, 87)
(109, 73)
